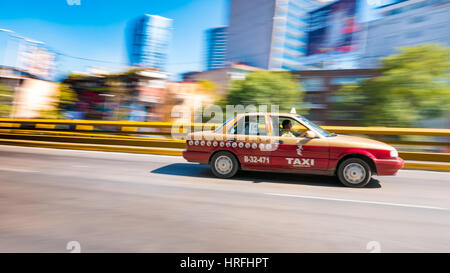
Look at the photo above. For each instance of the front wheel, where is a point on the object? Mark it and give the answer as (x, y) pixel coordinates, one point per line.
(354, 172)
(224, 165)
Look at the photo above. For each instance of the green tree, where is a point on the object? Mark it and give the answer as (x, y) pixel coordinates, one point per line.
(266, 88)
(6, 100)
(412, 85)
(63, 99)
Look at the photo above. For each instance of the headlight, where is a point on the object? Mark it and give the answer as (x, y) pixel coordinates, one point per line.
(394, 153)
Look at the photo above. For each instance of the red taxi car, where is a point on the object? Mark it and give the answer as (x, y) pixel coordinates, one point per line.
(290, 143)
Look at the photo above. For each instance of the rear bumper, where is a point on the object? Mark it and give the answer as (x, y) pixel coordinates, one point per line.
(196, 156)
(388, 166)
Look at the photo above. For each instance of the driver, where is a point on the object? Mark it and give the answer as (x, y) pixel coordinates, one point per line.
(286, 131)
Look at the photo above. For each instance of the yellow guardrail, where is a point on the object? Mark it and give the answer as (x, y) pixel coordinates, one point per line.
(6, 121)
(388, 131)
(91, 147)
(164, 129)
(132, 125)
(104, 135)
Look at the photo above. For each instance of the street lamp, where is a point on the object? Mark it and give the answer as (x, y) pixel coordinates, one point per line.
(6, 30)
(14, 34)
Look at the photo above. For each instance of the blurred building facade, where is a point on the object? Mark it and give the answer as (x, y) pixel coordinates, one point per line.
(136, 95)
(24, 95)
(216, 41)
(222, 76)
(269, 34)
(406, 23)
(148, 39)
(320, 88)
(184, 98)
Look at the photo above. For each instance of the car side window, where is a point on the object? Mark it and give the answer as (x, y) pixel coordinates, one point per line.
(277, 121)
(250, 125)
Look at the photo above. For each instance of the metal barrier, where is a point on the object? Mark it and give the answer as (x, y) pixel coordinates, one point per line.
(128, 136)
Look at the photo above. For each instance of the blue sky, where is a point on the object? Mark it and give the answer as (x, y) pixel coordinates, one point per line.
(96, 29)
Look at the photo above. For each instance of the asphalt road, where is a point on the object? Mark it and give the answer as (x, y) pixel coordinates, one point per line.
(111, 202)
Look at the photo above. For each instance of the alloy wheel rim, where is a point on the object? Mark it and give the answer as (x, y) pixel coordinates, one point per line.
(354, 173)
(223, 165)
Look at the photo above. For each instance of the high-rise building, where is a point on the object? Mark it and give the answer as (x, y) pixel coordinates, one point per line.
(216, 41)
(406, 23)
(335, 35)
(270, 34)
(148, 41)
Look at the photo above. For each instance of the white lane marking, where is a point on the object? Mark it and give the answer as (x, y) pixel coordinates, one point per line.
(358, 201)
(17, 170)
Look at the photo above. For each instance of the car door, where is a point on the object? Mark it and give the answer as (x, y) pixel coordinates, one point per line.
(298, 153)
(248, 139)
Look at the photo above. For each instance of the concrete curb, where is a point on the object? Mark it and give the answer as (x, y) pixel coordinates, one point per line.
(92, 147)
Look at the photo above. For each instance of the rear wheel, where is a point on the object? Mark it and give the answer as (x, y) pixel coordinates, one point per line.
(354, 172)
(224, 165)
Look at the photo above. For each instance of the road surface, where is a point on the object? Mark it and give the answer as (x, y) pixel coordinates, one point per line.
(112, 202)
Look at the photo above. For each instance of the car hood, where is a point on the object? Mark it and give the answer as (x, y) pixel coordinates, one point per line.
(357, 142)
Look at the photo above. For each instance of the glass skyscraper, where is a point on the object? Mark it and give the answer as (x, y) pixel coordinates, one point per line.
(216, 40)
(270, 34)
(290, 29)
(148, 41)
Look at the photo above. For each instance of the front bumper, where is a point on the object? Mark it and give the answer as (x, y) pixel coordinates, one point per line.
(389, 166)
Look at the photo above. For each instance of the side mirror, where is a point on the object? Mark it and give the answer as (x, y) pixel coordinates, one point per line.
(310, 134)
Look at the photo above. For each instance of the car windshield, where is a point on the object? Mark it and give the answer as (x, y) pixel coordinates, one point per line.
(315, 127)
(220, 128)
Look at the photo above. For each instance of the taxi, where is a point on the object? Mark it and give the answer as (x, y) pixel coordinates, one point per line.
(282, 142)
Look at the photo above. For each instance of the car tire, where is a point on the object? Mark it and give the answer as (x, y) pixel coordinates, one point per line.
(224, 165)
(354, 172)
